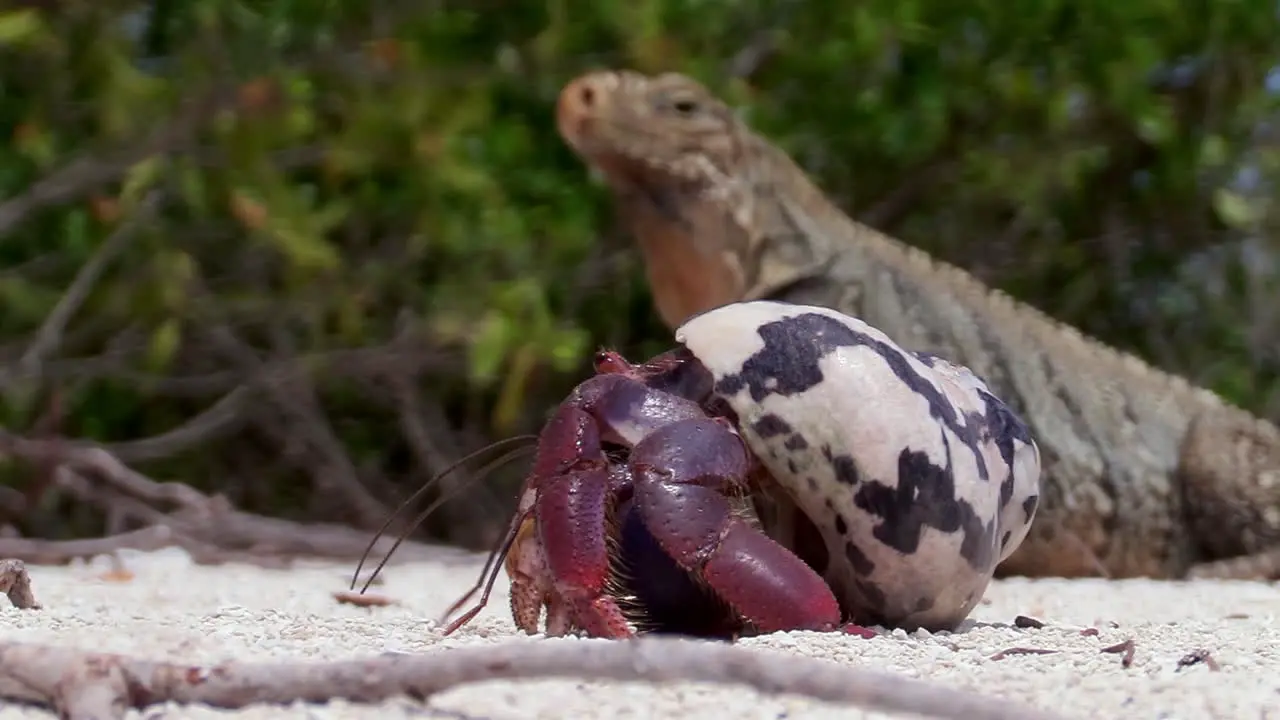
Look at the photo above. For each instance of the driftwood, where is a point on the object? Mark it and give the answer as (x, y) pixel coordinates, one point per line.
(81, 685)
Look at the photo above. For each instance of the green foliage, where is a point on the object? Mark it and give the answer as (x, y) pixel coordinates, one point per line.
(334, 173)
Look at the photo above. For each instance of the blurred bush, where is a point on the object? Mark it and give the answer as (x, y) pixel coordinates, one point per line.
(307, 254)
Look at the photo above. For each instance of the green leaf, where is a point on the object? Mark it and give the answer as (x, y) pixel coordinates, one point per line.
(1236, 210)
(305, 249)
(140, 177)
(19, 26)
(512, 396)
(37, 143)
(568, 347)
(193, 183)
(1213, 151)
(489, 347)
(175, 270)
(164, 344)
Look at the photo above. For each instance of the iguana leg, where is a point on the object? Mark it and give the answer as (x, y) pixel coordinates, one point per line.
(1230, 478)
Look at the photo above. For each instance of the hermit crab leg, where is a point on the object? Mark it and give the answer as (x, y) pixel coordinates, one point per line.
(572, 506)
(682, 474)
(487, 578)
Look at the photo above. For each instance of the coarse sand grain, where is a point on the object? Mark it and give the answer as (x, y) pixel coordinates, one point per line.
(1201, 649)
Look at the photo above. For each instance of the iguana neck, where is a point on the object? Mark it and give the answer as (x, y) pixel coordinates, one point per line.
(775, 234)
(704, 247)
(689, 262)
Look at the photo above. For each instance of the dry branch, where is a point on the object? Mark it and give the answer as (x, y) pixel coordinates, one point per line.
(294, 397)
(175, 514)
(359, 362)
(81, 685)
(49, 336)
(154, 537)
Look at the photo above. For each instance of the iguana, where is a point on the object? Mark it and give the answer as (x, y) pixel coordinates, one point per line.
(1145, 474)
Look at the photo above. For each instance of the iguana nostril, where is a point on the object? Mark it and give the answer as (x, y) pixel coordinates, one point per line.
(587, 96)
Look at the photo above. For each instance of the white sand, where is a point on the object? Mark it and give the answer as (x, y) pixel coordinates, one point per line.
(174, 610)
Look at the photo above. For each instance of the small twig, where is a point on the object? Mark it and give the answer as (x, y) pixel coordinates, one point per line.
(49, 336)
(85, 685)
(348, 597)
(16, 584)
(1021, 651)
(346, 362)
(1127, 648)
(219, 419)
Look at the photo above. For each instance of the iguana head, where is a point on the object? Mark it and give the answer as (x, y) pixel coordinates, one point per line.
(673, 155)
(652, 130)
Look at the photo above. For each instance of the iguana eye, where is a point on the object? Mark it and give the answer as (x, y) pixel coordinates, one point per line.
(685, 106)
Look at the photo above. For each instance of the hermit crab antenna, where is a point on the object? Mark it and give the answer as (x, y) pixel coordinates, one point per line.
(426, 486)
(487, 577)
(492, 465)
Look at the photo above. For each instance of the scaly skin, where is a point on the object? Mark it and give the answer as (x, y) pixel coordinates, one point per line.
(1144, 473)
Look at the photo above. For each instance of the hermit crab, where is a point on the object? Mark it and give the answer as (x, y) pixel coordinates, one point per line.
(785, 467)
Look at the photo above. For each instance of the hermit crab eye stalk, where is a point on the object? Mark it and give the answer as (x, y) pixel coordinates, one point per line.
(610, 361)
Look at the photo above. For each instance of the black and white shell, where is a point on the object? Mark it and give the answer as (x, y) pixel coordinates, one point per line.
(919, 479)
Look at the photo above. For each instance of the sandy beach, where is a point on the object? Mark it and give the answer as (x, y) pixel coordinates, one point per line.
(1199, 649)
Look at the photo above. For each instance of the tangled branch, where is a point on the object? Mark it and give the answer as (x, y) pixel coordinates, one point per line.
(174, 514)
